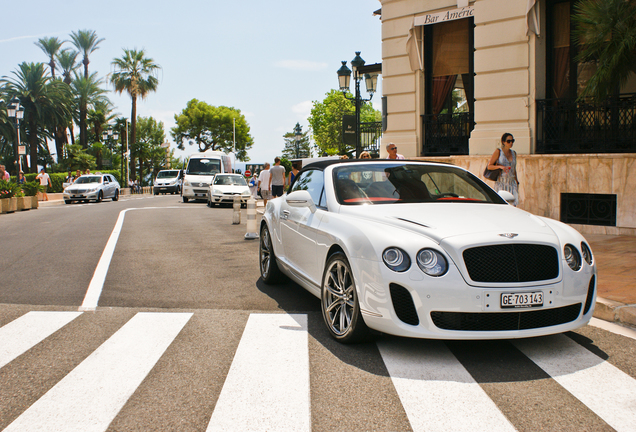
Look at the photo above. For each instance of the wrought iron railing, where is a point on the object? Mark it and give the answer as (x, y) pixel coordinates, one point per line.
(568, 126)
(447, 134)
(370, 134)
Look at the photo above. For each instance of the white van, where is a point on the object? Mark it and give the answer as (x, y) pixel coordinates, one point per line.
(167, 181)
(200, 171)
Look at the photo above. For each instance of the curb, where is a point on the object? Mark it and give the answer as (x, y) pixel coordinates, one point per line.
(613, 311)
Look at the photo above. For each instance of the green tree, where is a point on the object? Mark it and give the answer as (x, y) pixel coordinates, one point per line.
(86, 42)
(46, 101)
(150, 154)
(67, 61)
(294, 150)
(212, 128)
(326, 121)
(88, 92)
(605, 31)
(134, 74)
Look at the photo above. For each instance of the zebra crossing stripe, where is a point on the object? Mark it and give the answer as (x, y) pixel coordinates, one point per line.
(30, 329)
(602, 387)
(267, 387)
(92, 394)
(436, 391)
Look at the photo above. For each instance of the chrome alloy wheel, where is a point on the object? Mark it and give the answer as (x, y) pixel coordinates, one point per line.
(339, 305)
(265, 252)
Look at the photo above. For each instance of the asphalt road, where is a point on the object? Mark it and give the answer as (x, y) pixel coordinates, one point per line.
(186, 337)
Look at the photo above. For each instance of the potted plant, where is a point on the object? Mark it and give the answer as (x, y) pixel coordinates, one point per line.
(8, 201)
(24, 202)
(31, 190)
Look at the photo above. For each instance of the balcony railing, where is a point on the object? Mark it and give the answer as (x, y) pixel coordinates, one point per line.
(447, 134)
(568, 126)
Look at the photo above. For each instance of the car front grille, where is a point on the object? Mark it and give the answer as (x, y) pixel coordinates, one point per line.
(501, 321)
(512, 263)
(79, 191)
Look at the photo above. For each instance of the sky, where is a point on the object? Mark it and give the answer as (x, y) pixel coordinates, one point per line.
(270, 60)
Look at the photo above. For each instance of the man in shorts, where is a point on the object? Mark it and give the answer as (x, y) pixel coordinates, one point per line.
(263, 184)
(277, 178)
(45, 181)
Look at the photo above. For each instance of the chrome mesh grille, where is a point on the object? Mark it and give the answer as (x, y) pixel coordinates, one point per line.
(516, 262)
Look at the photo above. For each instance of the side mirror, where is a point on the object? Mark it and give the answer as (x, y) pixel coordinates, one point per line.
(510, 198)
(300, 199)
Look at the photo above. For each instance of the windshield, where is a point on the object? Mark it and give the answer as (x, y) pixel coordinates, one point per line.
(167, 174)
(204, 166)
(388, 183)
(234, 180)
(89, 179)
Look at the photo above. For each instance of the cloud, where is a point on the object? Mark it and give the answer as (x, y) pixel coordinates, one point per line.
(301, 65)
(28, 37)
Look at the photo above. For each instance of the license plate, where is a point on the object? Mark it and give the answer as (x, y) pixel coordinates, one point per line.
(522, 300)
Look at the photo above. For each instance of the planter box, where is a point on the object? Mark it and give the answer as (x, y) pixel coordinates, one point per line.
(34, 202)
(9, 205)
(24, 203)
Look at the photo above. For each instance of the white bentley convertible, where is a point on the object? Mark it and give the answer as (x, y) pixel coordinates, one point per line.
(424, 250)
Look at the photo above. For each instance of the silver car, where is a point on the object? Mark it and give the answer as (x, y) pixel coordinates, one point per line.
(94, 187)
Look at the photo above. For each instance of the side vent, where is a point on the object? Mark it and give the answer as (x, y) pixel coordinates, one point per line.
(403, 304)
(590, 295)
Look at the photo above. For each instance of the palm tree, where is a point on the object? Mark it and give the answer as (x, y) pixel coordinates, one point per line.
(44, 100)
(66, 60)
(86, 42)
(50, 46)
(87, 92)
(134, 74)
(605, 31)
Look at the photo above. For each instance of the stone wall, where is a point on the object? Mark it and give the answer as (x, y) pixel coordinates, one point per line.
(544, 177)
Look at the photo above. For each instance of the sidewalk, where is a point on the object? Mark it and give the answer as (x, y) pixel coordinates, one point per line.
(615, 258)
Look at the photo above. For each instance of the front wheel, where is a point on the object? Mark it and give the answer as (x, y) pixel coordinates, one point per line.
(270, 272)
(339, 302)
(185, 199)
(100, 196)
(68, 201)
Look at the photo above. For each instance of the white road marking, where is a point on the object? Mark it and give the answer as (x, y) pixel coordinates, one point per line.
(614, 328)
(30, 329)
(91, 395)
(602, 387)
(437, 392)
(267, 387)
(94, 291)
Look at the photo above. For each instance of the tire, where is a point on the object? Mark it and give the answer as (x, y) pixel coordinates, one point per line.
(270, 272)
(100, 196)
(68, 201)
(116, 196)
(339, 302)
(156, 193)
(185, 199)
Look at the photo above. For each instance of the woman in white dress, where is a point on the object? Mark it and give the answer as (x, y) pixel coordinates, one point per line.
(505, 159)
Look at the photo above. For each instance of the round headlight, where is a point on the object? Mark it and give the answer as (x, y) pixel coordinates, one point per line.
(587, 253)
(396, 259)
(572, 256)
(432, 262)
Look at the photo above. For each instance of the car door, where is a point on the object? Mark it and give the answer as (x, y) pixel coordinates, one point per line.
(108, 187)
(298, 227)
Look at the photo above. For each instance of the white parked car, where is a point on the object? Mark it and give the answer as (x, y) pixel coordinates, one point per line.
(424, 250)
(90, 187)
(225, 187)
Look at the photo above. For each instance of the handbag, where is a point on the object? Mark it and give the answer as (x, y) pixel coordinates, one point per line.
(491, 175)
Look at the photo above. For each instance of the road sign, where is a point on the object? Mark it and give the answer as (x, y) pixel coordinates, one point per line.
(248, 173)
(21, 150)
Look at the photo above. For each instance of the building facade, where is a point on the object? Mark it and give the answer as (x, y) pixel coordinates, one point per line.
(457, 74)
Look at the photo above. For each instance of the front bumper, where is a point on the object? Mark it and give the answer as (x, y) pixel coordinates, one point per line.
(200, 193)
(166, 188)
(218, 199)
(80, 196)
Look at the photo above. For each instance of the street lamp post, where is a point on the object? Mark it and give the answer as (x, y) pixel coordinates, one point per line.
(344, 77)
(16, 112)
(298, 133)
(110, 136)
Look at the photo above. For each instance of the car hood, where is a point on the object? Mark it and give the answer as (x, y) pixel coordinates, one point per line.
(230, 188)
(75, 186)
(440, 221)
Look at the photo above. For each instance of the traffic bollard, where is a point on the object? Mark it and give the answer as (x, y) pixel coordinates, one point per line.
(251, 220)
(236, 215)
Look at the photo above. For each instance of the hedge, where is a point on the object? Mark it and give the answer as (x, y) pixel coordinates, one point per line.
(57, 179)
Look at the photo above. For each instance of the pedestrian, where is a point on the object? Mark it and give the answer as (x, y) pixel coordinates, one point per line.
(393, 154)
(4, 174)
(45, 182)
(253, 184)
(263, 184)
(78, 173)
(505, 159)
(294, 172)
(277, 178)
(88, 171)
(365, 155)
(21, 179)
(69, 178)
